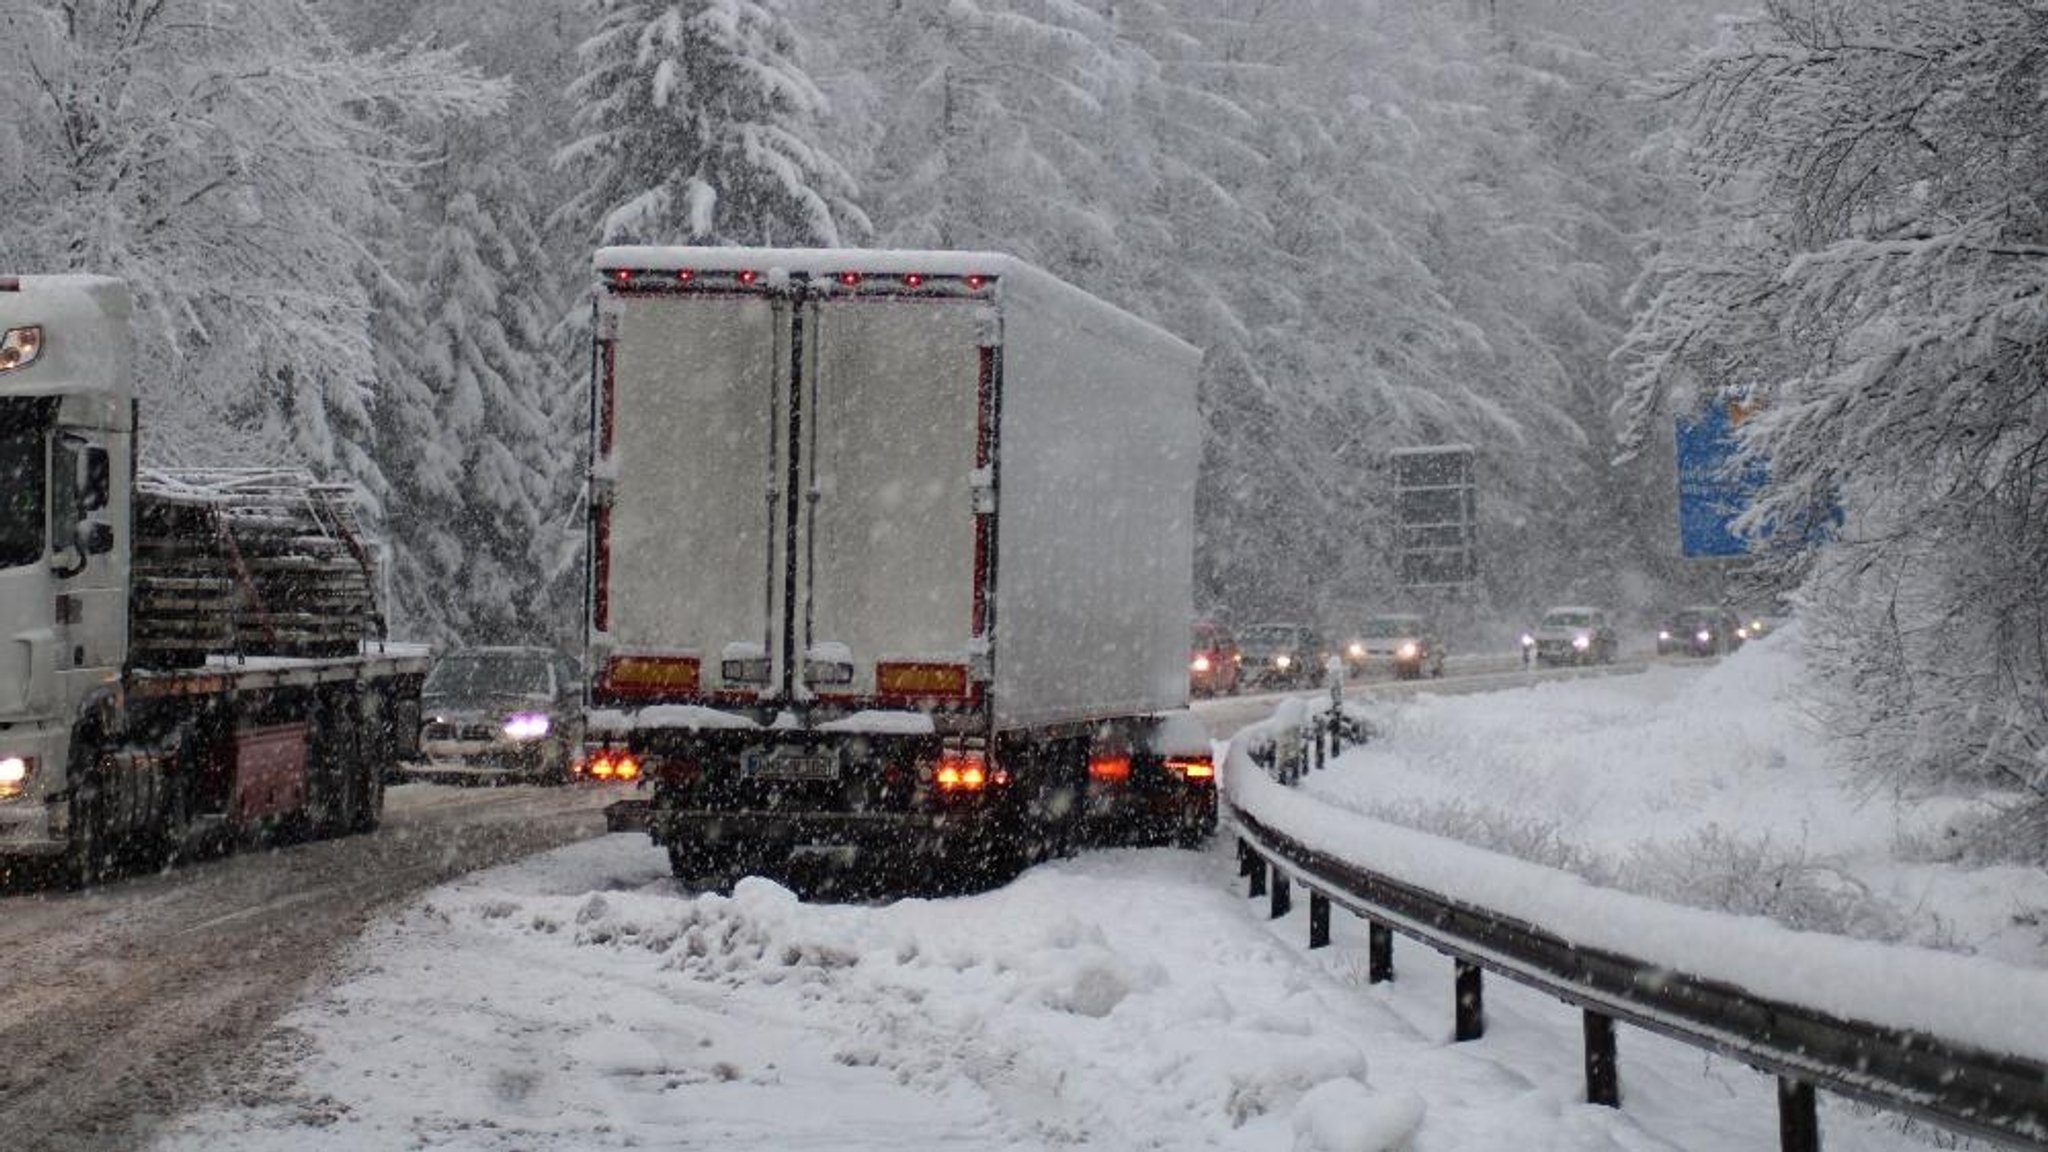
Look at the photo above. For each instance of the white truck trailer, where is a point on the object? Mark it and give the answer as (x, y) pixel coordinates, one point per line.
(186, 659)
(890, 559)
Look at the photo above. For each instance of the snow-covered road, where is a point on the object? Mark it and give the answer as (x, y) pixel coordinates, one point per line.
(1120, 1000)
(1123, 999)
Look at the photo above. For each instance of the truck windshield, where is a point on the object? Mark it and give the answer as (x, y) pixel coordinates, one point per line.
(24, 427)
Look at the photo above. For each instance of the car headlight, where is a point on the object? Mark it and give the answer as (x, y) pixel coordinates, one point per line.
(1409, 651)
(1200, 664)
(1283, 661)
(1357, 651)
(14, 774)
(1528, 641)
(1664, 634)
(526, 726)
(1704, 636)
(1582, 641)
(1742, 633)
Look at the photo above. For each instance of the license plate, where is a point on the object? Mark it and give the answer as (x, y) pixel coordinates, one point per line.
(791, 764)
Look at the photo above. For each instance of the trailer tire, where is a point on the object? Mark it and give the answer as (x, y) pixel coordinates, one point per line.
(706, 869)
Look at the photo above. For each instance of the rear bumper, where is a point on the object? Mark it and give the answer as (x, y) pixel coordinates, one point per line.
(891, 832)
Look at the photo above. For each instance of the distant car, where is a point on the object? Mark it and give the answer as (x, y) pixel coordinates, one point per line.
(1575, 635)
(1212, 660)
(1759, 625)
(1280, 656)
(1402, 641)
(1700, 631)
(501, 713)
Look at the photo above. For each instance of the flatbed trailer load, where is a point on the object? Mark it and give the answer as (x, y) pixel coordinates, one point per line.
(198, 655)
(891, 560)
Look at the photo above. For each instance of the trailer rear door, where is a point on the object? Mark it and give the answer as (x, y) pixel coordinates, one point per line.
(896, 398)
(686, 552)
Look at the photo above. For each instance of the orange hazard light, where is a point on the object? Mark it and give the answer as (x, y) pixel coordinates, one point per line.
(961, 771)
(1192, 768)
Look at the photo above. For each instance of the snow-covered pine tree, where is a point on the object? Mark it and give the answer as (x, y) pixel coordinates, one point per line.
(219, 156)
(699, 124)
(474, 460)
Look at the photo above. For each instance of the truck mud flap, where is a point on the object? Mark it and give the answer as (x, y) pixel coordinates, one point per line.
(627, 815)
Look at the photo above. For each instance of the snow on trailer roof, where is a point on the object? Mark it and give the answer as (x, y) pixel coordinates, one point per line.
(779, 264)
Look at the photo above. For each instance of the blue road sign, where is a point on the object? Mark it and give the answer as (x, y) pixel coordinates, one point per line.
(1712, 488)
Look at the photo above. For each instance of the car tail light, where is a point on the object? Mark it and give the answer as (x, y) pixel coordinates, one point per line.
(1192, 767)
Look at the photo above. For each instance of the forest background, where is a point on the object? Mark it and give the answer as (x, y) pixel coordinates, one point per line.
(359, 235)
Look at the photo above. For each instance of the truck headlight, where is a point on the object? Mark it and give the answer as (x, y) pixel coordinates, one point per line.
(14, 774)
(1704, 636)
(1528, 641)
(1199, 664)
(20, 347)
(526, 726)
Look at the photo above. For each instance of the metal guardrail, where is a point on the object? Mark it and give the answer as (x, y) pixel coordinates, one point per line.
(1943, 1081)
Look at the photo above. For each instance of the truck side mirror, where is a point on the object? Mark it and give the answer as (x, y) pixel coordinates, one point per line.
(95, 486)
(89, 538)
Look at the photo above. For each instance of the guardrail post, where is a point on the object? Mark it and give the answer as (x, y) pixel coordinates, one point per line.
(1379, 952)
(1798, 1122)
(1245, 856)
(1319, 747)
(1258, 877)
(1318, 920)
(1603, 1084)
(1471, 1004)
(1283, 895)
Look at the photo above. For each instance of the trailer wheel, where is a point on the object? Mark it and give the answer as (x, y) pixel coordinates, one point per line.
(705, 868)
(373, 752)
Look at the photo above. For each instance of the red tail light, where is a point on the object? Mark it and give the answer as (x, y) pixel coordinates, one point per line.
(1109, 769)
(1192, 768)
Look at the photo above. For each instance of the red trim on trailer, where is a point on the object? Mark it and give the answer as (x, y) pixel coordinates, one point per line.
(608, 352)
(984, 456)
(601, 568)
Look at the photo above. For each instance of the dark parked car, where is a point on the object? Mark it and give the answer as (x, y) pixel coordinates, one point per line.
(1401, 641)
(1212, 660)
(1700, 631)
(501, 713)
(1575, 635)
(1280, 656)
